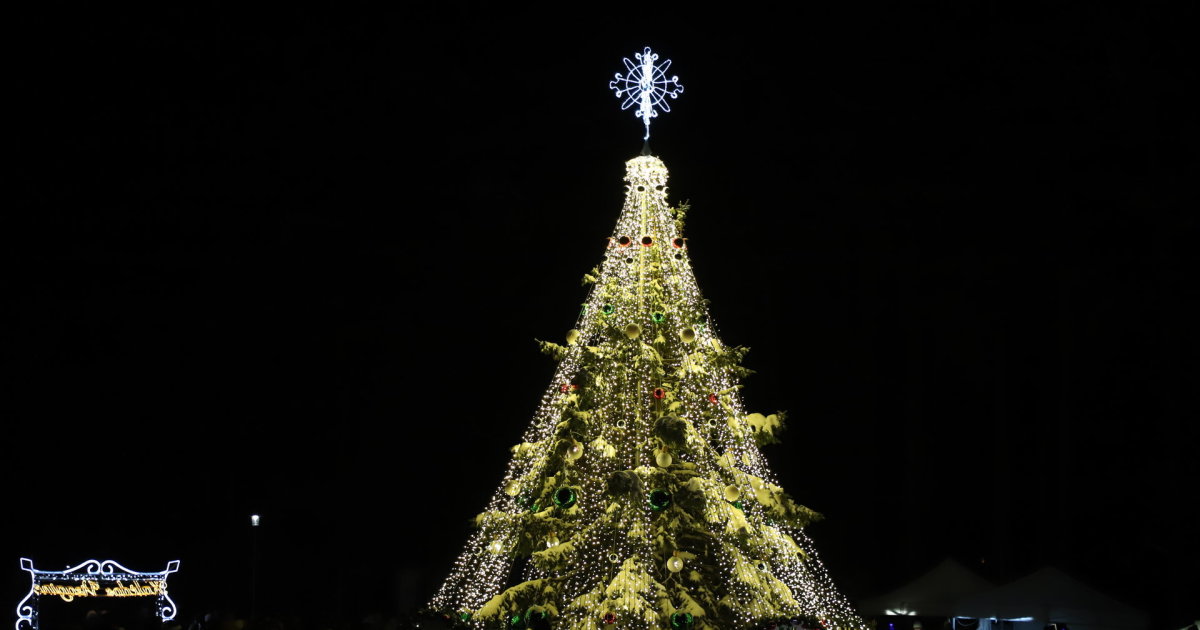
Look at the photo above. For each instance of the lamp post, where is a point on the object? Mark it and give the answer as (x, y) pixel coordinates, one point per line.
(255, 522)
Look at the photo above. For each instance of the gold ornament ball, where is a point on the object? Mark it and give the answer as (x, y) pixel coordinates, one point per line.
(512, 488)
(574, 452)
(675, 564)
(732, 493)
(688, 335)
(663, 459)
(632, 331)
(572, 336)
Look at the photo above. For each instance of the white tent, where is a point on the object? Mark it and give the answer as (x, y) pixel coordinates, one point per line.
(931, 595)
(1051, 596)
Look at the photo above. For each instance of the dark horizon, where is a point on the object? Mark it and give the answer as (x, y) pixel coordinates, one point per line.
(294, 264)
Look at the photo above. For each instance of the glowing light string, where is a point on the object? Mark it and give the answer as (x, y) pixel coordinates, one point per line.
(647, 85)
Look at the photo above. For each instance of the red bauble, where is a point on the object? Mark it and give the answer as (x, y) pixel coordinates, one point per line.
(624, 241)
(659, 393)
(647, 241)
(566, 387)
(677, 243)
(609, 618)
(712, 398)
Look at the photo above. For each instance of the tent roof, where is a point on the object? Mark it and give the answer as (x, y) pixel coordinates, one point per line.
(1051, 596)
(932, 594)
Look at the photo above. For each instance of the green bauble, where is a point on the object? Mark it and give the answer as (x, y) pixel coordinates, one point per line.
(516, 621)
(564, 497)
(658, 317)
(608, 309)
(681, 621)
(738, 505)
(659, 500)
(464, 615)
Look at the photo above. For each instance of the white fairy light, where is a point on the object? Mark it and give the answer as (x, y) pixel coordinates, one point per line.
(646, 85)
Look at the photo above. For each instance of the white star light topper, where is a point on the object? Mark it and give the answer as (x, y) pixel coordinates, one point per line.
(647, 85)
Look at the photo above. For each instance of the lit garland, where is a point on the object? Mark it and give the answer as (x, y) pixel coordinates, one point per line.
(639, 496)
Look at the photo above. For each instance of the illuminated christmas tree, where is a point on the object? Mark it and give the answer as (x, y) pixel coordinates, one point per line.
(638, 497)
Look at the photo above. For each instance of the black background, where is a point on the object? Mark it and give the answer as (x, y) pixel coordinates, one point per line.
(293, 263)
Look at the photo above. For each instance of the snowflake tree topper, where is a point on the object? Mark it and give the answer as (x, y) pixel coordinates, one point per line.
(647, 85)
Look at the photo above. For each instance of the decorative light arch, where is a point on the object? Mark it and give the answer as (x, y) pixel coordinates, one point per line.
(93, 578)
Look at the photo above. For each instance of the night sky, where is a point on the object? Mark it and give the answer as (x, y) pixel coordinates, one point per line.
(294, 263)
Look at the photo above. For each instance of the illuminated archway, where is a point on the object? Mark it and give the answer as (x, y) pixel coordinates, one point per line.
(93, 578)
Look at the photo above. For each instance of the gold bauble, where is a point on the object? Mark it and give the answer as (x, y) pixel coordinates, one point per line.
(632, 331)
(675, 564)
(732, 493)
(573, 452)
(663, 459)
(688, 335)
